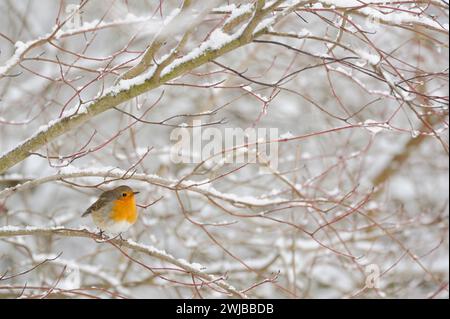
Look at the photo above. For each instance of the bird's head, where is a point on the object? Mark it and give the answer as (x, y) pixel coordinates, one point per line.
(123, 193)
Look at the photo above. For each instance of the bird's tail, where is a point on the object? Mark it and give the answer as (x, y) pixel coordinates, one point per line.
(87, 212)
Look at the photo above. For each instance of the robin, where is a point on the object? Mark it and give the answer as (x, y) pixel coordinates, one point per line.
(115, 210)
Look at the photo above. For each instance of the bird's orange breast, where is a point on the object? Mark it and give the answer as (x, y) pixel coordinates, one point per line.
(124, 210)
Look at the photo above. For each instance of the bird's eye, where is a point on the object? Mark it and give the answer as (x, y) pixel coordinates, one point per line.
(124, 194)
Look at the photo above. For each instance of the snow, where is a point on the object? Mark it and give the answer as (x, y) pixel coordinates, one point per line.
(43, 128)
(385, 94)
(374, 126)
(402, 18)
(15, 176)
(373, 59)
(11, 228)
(168, 256)
(98, 24)
(246, 200)
(171, 16)
(340, 126)
(202, 187)
(265, 24)
(224, 8)
(415, 134)
(300, 34)
(192, 265)
(395, 17)
(287, 135)
(20, 49)
(124, 85)
(217, 40)
(259, 96)
(77, 267)
(238, 11)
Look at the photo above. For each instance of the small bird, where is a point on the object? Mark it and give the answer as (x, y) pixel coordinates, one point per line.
(115, 210)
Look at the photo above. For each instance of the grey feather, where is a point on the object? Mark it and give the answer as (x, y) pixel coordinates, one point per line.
(102, 201)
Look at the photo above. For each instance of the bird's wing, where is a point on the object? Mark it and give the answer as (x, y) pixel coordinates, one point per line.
(96, 206)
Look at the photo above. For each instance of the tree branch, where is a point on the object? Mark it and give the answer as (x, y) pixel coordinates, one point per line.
(11, 231)
(126, 90)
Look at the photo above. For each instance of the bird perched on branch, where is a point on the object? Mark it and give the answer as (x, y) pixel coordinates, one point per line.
(115, 211)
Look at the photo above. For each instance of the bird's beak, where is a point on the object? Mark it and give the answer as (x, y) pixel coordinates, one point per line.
(135, 193)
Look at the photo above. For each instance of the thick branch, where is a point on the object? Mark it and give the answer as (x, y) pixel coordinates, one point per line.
(124, 91)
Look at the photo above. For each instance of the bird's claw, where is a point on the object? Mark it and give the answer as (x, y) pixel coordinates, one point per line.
(102, 237)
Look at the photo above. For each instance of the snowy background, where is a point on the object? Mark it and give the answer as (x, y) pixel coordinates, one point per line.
(357, 208)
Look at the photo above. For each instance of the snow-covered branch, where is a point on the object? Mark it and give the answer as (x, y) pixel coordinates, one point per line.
(217, 45)
(194, 269)
(294, 148)
(203, 188)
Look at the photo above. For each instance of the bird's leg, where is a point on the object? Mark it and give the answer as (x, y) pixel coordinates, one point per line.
(100, 233)
(104, 238)
(121, 238)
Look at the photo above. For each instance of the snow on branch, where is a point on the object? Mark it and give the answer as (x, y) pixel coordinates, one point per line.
(386, 12)
(95, 271)
(203, 188)
(22, 48)
(194, 269)
(358, 89)
(128, 89)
